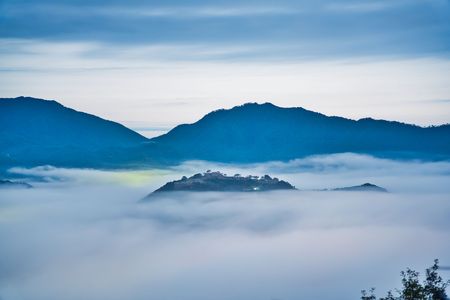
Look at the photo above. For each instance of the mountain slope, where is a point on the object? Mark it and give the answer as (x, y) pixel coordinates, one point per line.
(262, 132)
(35, 131)
(39, 132)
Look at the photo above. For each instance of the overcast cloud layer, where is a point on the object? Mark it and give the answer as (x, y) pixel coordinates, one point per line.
(83, 234)
(401, 27)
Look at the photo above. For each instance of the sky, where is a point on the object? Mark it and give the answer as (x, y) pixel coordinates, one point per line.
(155, 64)
(84, 234)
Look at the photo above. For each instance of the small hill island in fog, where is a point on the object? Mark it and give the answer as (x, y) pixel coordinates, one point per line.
(219, 182)
(366, 187)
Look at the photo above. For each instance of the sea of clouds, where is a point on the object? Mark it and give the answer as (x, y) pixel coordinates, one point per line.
(87, 234)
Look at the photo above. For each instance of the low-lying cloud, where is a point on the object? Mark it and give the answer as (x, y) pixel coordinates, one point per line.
(84, 234)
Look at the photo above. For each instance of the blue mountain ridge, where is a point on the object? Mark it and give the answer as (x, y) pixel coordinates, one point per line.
(264, 132)
(40, 132)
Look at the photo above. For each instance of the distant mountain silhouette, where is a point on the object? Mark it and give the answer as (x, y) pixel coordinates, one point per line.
(366, 187)
(35, 132)
(38, 132)
(263, 132)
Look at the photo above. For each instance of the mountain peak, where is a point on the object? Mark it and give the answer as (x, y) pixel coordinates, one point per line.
(255, 132)
(245, 107)
(256, 104)
(39, 132)
(30, 99)
(253, 110)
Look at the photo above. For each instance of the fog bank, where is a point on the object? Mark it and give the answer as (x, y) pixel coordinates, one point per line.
(84, 234)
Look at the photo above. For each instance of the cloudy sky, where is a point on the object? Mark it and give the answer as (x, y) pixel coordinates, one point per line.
(154, 64)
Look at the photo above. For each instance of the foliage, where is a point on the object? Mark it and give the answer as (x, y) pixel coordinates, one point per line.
(432, 288)
(368, 295)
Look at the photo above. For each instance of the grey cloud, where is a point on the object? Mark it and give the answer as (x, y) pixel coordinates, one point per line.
(143, 11)
(367, 6)
(326, 28)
